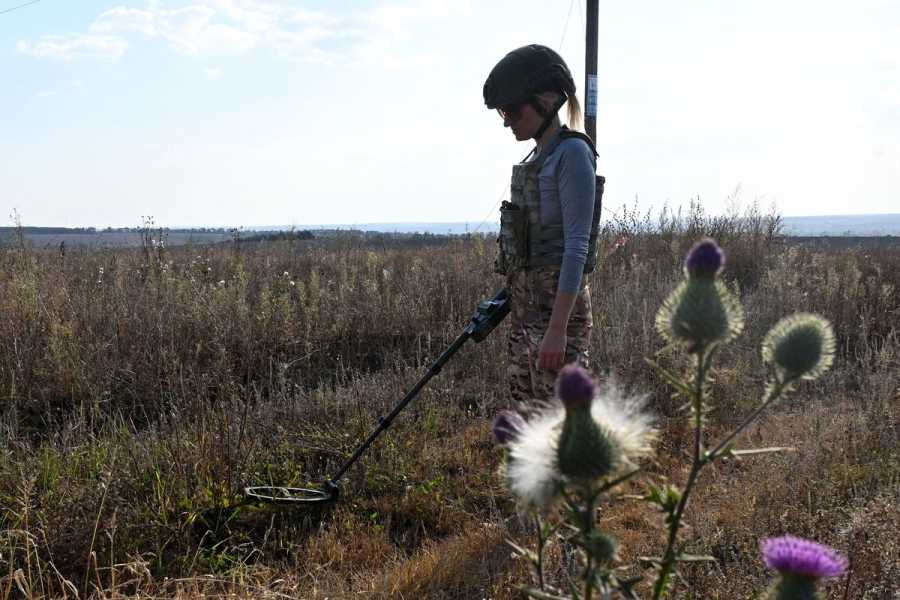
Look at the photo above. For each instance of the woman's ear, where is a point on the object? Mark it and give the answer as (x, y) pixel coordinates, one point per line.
(548, 100)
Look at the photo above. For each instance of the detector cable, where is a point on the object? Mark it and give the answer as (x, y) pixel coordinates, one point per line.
(6, 10)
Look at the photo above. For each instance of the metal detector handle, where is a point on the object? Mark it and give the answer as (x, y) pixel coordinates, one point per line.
(490, 313)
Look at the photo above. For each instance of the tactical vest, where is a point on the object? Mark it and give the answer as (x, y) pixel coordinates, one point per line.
(524, 242)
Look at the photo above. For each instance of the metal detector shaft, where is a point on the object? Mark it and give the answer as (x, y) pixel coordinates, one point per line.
(385, 422)
(489, 314)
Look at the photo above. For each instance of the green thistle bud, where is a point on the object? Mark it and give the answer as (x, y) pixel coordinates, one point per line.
(800, 346)
(602, 546)
(794, 587)
(584, 452)
(700, 312)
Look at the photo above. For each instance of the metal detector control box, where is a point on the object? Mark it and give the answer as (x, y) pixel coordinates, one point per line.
(489, 314)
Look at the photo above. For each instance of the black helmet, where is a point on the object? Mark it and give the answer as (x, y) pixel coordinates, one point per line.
(525, 72)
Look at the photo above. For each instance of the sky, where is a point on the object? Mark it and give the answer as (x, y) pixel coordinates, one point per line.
(293, 112)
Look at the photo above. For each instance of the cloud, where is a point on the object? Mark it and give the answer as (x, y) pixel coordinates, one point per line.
(301, 16)
(75, 46)
(220, 27)
(202, 28)
(389, 26)
(399, 17)
(190, 30)
(300, 44)
(124, 19)
(197, 37)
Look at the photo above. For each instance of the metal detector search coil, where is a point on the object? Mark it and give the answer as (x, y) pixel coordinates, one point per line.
(276, 494)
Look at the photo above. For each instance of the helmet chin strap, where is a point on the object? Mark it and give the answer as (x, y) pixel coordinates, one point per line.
(548, 115)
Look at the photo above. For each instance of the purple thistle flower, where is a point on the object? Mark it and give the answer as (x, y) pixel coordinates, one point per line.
(705, 259)
(797, 556)
(507, 426)
(575, 386)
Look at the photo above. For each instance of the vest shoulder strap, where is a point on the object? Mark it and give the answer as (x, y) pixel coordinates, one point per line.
(566, 133)
(563, 134)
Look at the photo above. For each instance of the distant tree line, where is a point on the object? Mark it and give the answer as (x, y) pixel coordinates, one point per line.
(279, 235)
(48, 230)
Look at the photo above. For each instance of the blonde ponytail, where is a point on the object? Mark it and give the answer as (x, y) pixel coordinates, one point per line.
(576, 122)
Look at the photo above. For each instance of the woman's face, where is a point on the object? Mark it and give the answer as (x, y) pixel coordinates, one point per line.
(522, 119)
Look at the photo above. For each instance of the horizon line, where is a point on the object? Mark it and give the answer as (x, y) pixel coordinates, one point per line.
(286, 227)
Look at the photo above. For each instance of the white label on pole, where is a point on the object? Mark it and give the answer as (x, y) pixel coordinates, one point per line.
(590, 108)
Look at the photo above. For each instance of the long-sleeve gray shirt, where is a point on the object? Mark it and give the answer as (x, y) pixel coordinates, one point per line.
(567, 183)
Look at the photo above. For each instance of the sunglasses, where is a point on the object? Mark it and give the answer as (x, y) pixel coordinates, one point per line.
(510, 112)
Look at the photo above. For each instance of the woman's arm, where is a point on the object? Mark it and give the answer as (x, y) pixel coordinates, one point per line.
(576, 184)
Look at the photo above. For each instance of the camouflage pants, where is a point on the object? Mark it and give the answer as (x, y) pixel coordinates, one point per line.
(532, 294)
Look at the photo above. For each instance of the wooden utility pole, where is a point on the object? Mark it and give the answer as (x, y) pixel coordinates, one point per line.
(590, 69)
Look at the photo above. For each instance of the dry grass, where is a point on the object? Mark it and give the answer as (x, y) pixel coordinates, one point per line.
(142, 389)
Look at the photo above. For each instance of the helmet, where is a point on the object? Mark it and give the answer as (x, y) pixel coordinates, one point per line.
(525, 72)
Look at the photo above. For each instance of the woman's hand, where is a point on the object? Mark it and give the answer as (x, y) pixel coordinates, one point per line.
(552, 353)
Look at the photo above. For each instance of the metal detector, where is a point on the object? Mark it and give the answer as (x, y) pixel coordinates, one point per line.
(489, 314)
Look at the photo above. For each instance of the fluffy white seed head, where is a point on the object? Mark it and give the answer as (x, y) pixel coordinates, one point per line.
(532, 469)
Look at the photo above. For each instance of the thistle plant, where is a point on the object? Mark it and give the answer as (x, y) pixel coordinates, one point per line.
(572, 454)
(567, 456)
(702, 314)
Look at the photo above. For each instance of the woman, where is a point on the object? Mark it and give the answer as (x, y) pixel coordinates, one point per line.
(548, 229)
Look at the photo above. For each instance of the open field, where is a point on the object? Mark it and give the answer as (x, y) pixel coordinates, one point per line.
(115, 239)
(143, 388)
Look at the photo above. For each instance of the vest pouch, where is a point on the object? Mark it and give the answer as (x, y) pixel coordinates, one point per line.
(513, 238)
